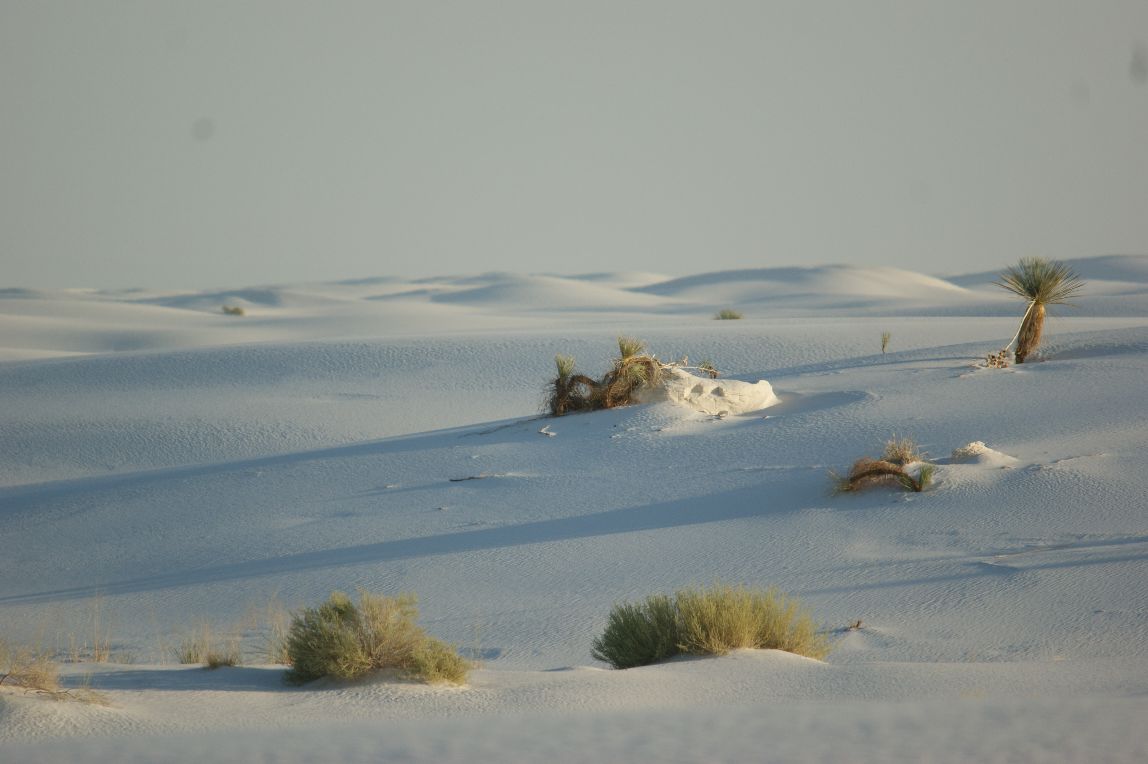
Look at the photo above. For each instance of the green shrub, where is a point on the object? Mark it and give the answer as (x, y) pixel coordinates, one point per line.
(436, 662)
(727, 315)
(706, 622)
(344, 641)
(639, 634)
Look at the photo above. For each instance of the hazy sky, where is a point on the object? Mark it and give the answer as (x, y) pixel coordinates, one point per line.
(201, 144)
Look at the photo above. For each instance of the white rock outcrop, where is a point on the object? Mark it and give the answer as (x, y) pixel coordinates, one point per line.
(711, 396)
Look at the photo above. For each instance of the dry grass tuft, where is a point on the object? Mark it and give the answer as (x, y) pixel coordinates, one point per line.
(885, 337)
(709, 621)
(206, 647)
(27, 667)
(723, 618)
(234, 310)
(902, 451)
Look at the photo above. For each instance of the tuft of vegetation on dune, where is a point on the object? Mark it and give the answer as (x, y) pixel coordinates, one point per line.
(707, 621)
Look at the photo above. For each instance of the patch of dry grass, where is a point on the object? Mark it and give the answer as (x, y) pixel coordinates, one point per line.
(206, 647)
(707, 621)
(723, 618)
(29, 667)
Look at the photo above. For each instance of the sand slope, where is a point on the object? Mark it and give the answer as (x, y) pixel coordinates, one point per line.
(227, 461)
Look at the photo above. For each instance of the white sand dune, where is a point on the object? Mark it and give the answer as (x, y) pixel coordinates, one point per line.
(164, 464)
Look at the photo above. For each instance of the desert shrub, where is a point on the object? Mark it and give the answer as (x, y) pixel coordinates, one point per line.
(727, 315)
(234, 310)
(639, 634)
(1040, 283)
(723, 618)
(709, 621)
(344, 641)
(632, 370)
(27, 667)
(436, 662)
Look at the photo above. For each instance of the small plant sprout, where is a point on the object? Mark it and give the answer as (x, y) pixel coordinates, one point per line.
(1040, 283)
(885, 337)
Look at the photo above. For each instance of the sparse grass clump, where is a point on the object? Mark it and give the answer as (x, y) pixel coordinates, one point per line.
(709, 621)
(885, 337)
(205, 647)
(29, 668)
(341, 640)
(234, 310)
(727, 314)
(901, 451)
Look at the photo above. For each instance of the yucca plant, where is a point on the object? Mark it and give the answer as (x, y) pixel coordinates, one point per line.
(569, 391)
(632, 369)
(1041, 283)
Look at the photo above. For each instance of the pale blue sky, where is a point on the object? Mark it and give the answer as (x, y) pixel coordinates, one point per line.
(203, 144)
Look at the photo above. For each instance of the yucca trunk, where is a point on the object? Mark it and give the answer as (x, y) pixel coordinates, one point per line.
(1028, 339)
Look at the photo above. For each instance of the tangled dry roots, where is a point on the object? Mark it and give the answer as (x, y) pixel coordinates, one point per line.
(632, 370)
(867, 473)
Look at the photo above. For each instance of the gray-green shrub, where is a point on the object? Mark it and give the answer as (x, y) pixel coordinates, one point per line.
(709, 621)
(344, 641)
(639, 634)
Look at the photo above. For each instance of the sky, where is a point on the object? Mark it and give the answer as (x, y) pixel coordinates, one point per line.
(216, 143)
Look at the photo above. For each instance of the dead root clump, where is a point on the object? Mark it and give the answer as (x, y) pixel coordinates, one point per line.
(869, 473)
(633, 370)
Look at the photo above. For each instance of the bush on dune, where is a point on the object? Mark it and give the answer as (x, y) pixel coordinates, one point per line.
(342, 640)
(631, 371)
(639, 634)
(710, 621)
